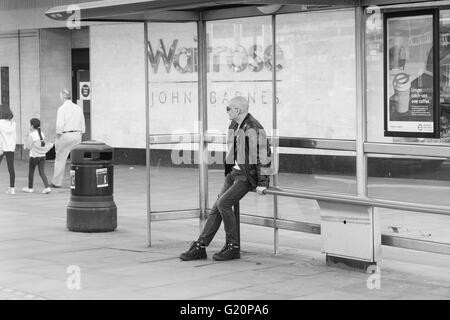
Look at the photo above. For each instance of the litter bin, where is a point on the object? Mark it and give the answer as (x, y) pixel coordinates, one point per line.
(91, 207)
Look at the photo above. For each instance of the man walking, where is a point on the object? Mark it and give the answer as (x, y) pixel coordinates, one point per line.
(247, 166)
(70, 126)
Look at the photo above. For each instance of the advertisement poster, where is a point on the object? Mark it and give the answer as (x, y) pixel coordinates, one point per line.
(410, 82)
(72, 179)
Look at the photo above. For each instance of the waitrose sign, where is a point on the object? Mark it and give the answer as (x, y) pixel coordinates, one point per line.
(236, 66)
(239, 58)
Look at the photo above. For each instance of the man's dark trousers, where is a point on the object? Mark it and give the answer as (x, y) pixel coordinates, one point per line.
(234, 189)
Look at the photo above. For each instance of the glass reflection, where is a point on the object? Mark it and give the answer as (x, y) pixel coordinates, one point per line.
(416, 180)
(240, 63)
(316, 88)
(173, 88)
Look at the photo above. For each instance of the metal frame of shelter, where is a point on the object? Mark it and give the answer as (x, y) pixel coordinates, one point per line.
(201, 11)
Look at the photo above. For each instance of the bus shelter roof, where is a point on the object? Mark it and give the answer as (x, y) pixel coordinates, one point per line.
(173, 10)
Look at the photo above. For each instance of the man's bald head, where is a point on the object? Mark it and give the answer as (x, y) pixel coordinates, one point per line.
(241, 103)
(65, 95)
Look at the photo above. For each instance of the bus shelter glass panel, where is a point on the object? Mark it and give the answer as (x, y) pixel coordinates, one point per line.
(409, 54)
(414, 225)
(173, 112)
(297, 209)
(239, 64)
(316, 83)
(316, 94)
(315, 170)
(423, 180)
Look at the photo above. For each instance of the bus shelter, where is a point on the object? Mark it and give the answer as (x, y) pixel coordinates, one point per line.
(327, 80)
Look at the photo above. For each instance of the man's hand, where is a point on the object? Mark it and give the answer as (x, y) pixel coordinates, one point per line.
(260, 190)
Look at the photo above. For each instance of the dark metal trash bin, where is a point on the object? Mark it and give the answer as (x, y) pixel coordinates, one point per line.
(91, 207)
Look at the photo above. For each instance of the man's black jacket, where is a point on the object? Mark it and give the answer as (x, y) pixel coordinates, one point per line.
(249, 147)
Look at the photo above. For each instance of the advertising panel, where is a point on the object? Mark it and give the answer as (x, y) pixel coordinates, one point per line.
(411, 75)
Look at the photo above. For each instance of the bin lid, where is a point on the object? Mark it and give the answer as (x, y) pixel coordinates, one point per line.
(91, 151)
(92, 145)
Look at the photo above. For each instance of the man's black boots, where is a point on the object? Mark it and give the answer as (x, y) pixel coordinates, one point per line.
(196, 251)
(228, 252)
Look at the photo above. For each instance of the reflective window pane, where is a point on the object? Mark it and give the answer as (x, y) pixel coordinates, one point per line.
(316, 85)
(309, 169)
(239, 64)
(173, 88)
(414, 225)
(318, 171)
(410, 179)
(173, 78)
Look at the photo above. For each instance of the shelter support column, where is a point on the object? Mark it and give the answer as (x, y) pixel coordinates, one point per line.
(147, 135)
(276, 235)
(202, 117)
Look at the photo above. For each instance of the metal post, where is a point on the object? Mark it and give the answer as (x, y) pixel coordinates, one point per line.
(202, 116)
(147, 135)
(20, 88)
(274, 134)
(361, 123)
(361, 128)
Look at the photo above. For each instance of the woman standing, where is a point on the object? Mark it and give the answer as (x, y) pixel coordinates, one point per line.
(8, 138)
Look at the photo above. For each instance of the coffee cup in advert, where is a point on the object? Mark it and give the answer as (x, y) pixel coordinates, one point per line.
(402, 82)
(402, 85)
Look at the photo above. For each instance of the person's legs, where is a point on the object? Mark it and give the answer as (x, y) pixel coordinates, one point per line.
(12, 174)
(31, 166)
(197, 249)
(225, 203)
(10, 163)
(41, 168)
(63, 146)
(215, 219)
(61, 154)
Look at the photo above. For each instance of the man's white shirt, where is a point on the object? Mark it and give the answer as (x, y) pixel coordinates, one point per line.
(70, 117)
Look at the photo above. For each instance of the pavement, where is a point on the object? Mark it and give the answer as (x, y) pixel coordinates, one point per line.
(41, 260)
